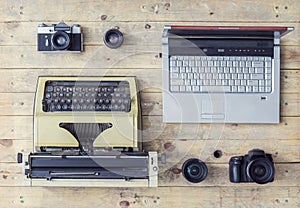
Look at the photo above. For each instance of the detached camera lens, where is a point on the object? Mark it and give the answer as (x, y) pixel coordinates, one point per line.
(194, 170)
(261, 170)
(113, 38)
(60, 40)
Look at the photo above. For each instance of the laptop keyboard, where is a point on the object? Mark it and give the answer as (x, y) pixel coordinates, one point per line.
(229, 74)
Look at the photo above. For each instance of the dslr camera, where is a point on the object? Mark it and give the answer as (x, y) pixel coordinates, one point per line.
(59, 37)
(256, 166)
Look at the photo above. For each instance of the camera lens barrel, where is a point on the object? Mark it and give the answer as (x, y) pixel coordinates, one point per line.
(60, 40)
(261, 170)
(113, 38)
(194, 170)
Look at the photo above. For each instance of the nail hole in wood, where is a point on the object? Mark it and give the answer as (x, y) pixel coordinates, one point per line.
(103, 17)
(147, 26)
(218, 154)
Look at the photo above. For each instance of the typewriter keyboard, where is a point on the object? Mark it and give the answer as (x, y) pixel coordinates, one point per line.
(86, 96)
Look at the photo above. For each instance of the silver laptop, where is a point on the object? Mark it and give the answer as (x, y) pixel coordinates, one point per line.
(215, 74)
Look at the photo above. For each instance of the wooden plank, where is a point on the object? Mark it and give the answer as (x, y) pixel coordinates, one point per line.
(128, 56)
(110, 197)
(11, 174)
(155, 129)
(10, 148)
(177, 150)
(20, 128)
(198, 144)
(135, 33)
(136, 10)
(141, 197)
(16, 127)
(148, 79)
(259, 191)
(286, 175)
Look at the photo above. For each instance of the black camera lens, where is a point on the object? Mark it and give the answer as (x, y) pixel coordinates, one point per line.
(60, 40)
(113, 38)
(261, 170)
(194, 170)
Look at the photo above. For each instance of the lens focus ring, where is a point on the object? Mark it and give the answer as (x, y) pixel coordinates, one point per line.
(60, 40)
(261, 170)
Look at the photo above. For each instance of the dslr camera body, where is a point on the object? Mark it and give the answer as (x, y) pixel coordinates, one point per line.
(59, 38)
(256, 166)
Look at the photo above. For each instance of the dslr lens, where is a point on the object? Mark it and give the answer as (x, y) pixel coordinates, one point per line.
(261, 170)
(113, 38)
(60, 40)
(194, 170)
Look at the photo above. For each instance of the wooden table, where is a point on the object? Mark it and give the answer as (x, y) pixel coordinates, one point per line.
(142, 23)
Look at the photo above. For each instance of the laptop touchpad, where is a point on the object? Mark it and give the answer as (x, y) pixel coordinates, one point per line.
(212, 109)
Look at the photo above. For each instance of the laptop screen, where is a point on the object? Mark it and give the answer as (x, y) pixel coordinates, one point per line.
(224, 31)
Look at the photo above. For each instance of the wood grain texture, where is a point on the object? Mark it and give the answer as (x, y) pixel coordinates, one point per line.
(266, 11)
(177, 149)
(128, 56)
(139, 197)
(142, 33)
(141, 22)
(12, 175)
(21, 128)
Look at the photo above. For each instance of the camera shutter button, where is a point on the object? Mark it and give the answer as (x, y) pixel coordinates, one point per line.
(42, 25)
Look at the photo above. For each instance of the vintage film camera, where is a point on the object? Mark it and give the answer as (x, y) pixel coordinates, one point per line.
(256, 166)
(59, 38)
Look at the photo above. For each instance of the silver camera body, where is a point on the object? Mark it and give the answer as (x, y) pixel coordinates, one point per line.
(59, 38)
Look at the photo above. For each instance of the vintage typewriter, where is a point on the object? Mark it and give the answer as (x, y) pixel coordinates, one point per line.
(86, 133)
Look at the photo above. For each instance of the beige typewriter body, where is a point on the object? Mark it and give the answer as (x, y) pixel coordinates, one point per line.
(124, 132)
(56, 161)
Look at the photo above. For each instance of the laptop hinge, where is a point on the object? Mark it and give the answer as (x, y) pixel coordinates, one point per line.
(276, 38)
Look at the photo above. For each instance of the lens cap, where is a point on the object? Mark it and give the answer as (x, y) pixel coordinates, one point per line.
(60, 40)
(194, 170)
(113, 38)
(261, 170)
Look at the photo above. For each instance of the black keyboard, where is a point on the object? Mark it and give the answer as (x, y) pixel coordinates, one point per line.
(86, 96)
